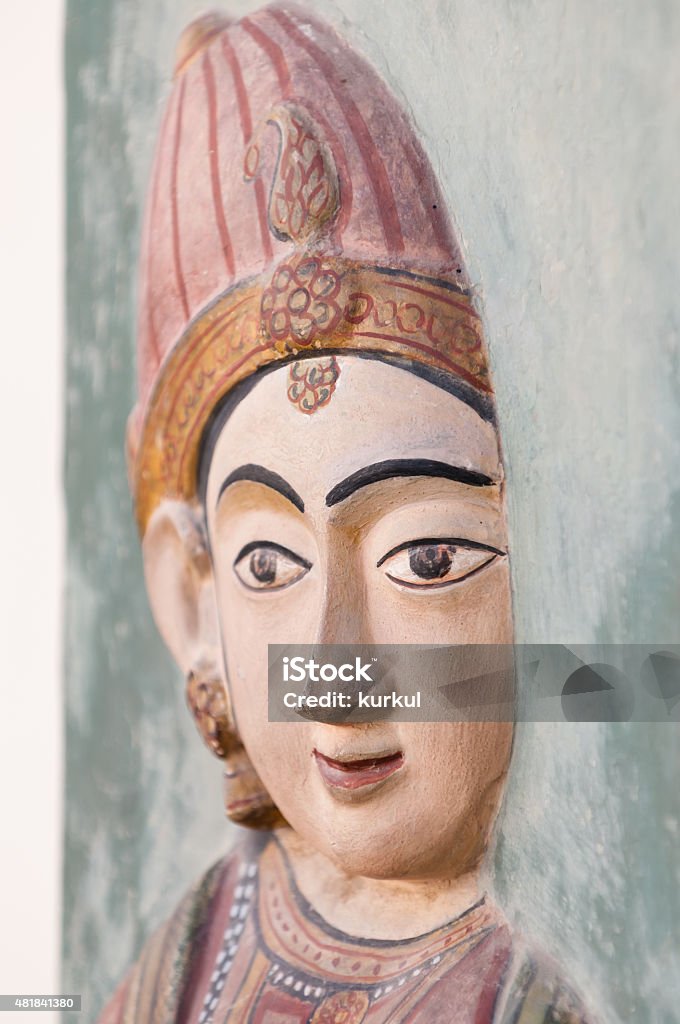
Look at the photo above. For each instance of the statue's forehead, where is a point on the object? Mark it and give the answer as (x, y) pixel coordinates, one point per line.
(371, 411)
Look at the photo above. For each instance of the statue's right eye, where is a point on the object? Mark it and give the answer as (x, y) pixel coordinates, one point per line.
(263, 565)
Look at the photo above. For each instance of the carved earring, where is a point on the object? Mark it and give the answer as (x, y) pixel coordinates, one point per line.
(246, 800)
(208, 703)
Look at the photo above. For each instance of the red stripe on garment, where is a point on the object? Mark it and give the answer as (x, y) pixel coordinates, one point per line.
(247, 130)
(375, 168)
(273, 51)
(218, 202)
(179, 274)
(492, 984)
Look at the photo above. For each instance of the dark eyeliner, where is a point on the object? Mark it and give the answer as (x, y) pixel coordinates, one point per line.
(442, 583)
(255, 545)
(453, 541)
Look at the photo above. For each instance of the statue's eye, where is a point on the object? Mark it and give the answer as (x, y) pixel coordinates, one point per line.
(263, 565)
(436, 563)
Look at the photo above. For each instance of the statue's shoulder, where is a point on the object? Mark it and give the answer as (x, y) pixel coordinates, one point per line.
(153, 988)
(534, 991)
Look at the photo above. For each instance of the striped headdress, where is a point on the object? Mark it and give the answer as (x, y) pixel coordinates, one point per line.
(291, 211)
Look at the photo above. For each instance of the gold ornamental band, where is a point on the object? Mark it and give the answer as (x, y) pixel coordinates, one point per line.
(308, 305)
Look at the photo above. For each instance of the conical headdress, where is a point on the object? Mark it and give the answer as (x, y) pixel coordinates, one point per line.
(291, 211)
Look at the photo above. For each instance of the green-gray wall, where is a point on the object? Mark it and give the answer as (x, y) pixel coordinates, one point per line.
(554, 128)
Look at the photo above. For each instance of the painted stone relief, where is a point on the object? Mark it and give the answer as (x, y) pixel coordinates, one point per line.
(314, 458)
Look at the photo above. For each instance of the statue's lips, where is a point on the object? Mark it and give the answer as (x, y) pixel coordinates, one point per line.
(357, 773)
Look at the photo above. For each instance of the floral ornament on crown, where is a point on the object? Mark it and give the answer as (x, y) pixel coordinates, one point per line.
(312, 382)
(300, 303)
(305, 193)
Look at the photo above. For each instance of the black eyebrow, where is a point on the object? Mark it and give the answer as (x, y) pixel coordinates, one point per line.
(260, 475)
(405, 467)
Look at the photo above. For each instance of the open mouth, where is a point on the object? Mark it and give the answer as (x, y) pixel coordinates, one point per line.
(358, 773)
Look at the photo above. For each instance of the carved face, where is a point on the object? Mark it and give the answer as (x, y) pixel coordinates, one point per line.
(378, 518)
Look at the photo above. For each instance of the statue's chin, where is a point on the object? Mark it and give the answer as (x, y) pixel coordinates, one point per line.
(388, 850)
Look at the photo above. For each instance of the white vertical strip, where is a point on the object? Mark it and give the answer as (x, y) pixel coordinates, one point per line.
(31, 513)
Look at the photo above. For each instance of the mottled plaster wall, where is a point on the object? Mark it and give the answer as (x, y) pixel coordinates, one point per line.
(554, 128)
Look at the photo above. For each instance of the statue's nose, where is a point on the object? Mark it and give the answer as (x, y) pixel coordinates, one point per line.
(359, 671)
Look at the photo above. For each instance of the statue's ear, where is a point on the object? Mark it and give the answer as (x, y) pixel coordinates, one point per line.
(180, 585)
(181, 589)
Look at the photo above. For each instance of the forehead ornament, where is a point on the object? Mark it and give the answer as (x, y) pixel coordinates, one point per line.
(311, 382)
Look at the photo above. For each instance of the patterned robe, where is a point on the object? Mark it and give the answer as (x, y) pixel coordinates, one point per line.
(245, 947)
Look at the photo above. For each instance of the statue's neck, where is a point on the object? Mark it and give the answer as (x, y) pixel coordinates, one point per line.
(377, 908)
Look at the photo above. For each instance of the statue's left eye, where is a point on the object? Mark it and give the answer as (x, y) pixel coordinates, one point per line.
(264, 565)
(436, 563)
